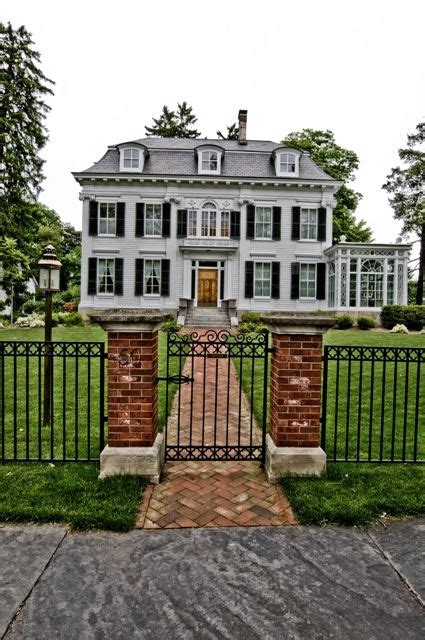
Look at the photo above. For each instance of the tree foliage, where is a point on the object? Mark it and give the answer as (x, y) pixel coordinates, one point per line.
(405, 187)
(341, 164)
(232, 133)
(174, 124)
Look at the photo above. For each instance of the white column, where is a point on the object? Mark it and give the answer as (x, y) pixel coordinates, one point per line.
(385, 284)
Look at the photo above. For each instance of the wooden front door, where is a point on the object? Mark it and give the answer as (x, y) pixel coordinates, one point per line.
(207, 287)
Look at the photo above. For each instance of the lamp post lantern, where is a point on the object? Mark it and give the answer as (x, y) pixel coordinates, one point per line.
(49, 282)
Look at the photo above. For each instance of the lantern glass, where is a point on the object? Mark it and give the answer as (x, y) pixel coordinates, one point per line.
(54, 280)
(44, 278)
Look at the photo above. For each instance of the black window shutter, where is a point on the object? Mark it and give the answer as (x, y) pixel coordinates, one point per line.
(192, 293)
(166, 219)
(92, 279)
(120, 219)
(250, 222)
(119, 269)
(182, 223)
(138, 277)
(93, 218)
(165, 277)
(276, 280)
(295, 281)
(249, 279)
(235, 224)
(321, 281)
(321, 228)
(140, 219)
(276, 222)
(296, 211)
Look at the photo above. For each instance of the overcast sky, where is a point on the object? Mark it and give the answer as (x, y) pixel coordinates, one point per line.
(355, 67)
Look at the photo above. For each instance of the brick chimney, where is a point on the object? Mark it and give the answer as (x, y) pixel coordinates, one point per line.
(243, 113)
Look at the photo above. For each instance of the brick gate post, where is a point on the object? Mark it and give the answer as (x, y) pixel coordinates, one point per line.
(295, 395)
(134, 445)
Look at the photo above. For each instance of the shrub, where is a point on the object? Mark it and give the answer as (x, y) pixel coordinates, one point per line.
(413, 317)
(32, 321)
(344, 322)
(365, 323)
(251, 316)
(32, 306)
(72, 319)
(251, 327)
(170, 325)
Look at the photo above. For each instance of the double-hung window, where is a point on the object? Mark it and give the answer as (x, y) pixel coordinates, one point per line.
(192, 220)
(131, 158)
(262, 279)
(209, 161)
(308, 224)
(225, 224)
(152, 278)
(287, 163)
(106, 275)
(153, 220)
(107, 219)
(307, 281)
(263, 223)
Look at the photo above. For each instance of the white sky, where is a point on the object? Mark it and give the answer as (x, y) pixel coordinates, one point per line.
(355, 67)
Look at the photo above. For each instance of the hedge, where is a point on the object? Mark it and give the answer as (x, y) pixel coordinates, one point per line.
(413, 317)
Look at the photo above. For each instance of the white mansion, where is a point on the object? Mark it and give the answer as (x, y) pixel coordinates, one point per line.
(242, 225)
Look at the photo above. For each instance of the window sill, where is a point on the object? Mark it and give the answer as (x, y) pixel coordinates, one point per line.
(106, 295)
(307, 299)
(107, 235)
(264, 240)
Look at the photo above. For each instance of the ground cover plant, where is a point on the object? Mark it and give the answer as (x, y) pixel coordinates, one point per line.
(68, 493)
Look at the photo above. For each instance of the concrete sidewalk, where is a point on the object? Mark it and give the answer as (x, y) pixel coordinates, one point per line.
(282, 582)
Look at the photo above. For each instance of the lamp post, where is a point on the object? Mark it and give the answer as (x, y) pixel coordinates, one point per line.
(49, 282)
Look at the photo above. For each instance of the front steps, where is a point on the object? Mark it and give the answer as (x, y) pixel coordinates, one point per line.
(209, 317)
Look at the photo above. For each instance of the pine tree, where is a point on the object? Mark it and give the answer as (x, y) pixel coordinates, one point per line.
(405, 186)
(174, 124)
(232, 133)
(340, 164)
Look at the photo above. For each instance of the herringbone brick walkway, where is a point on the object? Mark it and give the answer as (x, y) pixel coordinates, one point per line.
(212, 494)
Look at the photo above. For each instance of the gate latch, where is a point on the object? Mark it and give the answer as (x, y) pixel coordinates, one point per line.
(176, 379)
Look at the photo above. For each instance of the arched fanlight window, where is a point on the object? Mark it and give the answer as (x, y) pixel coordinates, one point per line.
(372, 283)
(209, 219)
(374, 266)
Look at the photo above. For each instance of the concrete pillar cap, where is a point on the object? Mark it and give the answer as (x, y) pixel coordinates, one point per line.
(129, 320)
(299, 324)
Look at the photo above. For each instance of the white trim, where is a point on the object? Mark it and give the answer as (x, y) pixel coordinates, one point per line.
(287, 174)
(139, 167)
(209, 150)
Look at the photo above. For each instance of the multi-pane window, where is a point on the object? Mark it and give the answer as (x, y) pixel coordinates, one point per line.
(131, 158)
(153, 220)
(192, 219)
(107, 219)
(287, 163)
(209, 220)
(353, 282)
(152, 277)
(390, 282)
(262, 279)
(307, 281)
(209, 161)
(331, 284)
(263, 222)
(106, 275)
(225, 224)
(372, 283)
(308, 224)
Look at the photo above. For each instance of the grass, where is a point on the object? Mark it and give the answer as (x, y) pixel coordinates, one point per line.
(357, 494)
(75, 433)
(68, 493)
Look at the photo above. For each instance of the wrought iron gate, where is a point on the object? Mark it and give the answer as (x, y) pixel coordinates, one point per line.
(216, 396)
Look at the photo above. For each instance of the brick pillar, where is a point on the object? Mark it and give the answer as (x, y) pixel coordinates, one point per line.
(295, 395)
(134, 445)
(132, 388)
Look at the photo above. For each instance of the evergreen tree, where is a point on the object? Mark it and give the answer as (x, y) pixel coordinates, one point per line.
(405, 186)
(174, 124)
(232, 133)
(340, 164)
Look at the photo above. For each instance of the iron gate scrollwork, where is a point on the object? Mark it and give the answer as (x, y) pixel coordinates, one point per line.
(217, 384)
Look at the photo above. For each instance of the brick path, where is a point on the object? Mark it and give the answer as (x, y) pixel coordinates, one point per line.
(212, 494)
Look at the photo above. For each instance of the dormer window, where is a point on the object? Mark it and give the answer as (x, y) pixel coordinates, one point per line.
(132, 157)
(286, 163)
(209, 159)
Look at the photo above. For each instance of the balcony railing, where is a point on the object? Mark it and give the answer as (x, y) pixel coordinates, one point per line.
(209, 243)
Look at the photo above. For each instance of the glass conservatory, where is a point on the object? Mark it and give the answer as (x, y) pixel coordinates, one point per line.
(366, 277)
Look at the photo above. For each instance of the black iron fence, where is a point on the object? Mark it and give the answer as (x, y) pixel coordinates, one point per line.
(75, 425)
(373, 404)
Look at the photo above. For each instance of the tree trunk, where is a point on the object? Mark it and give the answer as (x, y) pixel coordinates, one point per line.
(420, 285)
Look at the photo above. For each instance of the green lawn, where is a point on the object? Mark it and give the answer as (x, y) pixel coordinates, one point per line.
(68, 493)
(356, 494)
(75, 432)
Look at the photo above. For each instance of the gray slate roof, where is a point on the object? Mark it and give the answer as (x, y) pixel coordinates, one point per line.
(176, 157)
